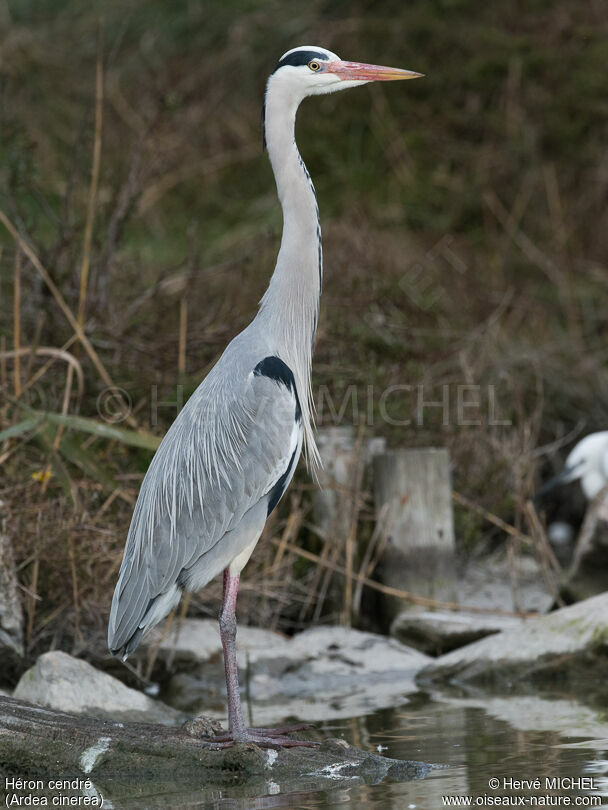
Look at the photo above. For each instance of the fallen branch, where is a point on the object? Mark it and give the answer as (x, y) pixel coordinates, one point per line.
(118, 759)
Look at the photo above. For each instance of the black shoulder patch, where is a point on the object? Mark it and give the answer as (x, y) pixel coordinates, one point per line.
(300, 58)
(278, 490)
(275, 369)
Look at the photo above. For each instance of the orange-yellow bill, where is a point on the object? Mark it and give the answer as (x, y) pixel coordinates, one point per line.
(359, 71)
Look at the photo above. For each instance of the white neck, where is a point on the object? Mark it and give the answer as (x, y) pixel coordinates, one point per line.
(290, 306)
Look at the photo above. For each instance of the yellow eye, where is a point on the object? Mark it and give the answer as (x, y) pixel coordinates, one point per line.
(314, 65)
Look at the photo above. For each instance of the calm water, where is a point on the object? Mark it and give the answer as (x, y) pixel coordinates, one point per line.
(475, 740)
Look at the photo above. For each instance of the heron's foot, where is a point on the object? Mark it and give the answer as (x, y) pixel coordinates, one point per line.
(262, 737)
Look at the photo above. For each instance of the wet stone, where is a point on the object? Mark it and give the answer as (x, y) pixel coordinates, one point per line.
(436, 632)
(60, 681)
(320, 673)
(556, 648)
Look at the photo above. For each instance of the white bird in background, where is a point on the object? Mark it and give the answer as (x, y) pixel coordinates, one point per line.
(587, 463)
(230, 454)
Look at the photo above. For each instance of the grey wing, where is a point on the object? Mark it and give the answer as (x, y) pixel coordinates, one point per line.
(235, 443)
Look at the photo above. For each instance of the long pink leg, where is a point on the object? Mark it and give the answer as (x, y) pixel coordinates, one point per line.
(236, 723)
(237, 730)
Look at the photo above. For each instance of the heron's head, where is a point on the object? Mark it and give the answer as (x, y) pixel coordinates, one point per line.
(310, 70)
(587, 463)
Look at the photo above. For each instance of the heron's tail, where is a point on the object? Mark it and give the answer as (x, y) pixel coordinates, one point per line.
(127, 625)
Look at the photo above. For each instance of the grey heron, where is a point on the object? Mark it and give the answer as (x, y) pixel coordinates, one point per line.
(229, 456)
(587, 462)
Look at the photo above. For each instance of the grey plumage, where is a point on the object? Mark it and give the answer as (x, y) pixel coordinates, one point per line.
(208, 484)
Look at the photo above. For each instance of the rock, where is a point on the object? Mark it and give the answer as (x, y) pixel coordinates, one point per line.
(198, 641)
(321, 673)
(126, 760)
(489, 583)
(347, 651)
(202, 726)
(11, 614)
(436, 632)
(548, 649)
(62, 682)
(334, 672)
(484, 584)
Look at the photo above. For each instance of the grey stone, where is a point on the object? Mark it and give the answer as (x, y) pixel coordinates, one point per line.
(549, 648)
(198, 641)
(59, 681)
(490, 583)
(202, 726)
(436, 632)
(346, 651)
(487, 584)
(324, 672)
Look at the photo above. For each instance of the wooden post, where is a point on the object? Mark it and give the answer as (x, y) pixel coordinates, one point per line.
(335, 503)
(416, 486)
(330, 509)
(332, 502)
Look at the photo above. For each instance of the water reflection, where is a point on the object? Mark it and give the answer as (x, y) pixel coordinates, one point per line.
(474, 739)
